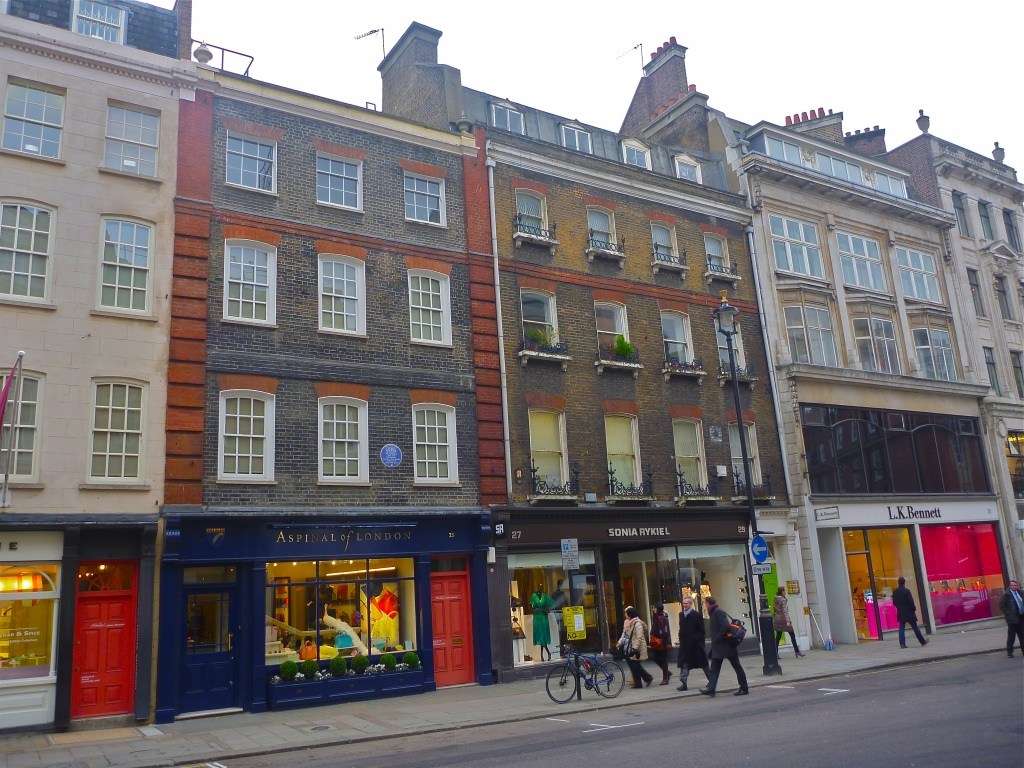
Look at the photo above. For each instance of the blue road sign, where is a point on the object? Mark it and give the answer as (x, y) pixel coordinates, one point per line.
(759, 549)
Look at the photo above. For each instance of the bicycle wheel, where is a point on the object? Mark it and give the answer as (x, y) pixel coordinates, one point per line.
(609, 679)
(561, 684)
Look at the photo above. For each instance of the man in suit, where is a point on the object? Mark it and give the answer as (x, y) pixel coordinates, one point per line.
(722, 648)
(906, 612)
(691, 643)
(1012, 606)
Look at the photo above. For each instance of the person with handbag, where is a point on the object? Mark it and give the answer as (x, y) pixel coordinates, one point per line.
(633, 645)
(661, 641)
(782, 623)
(691, 643)
(723, 646)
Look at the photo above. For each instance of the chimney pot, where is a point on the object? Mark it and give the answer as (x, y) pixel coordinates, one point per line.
(672, 40)
(789, 120)
(923, 121)
(821, 111)
(875, 128)
(653, 55)
(857, 132)
(998, 153)
(692, 87)
(803, 116)
(830, 111)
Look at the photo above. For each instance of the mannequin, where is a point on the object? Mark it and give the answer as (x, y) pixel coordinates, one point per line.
(541, 604)
(352, 639)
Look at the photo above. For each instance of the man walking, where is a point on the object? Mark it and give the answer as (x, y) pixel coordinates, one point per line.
(691, 643)
(722, 648)
(906, 612)
(1012, 606)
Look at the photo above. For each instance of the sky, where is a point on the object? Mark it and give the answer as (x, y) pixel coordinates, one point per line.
(877, 62)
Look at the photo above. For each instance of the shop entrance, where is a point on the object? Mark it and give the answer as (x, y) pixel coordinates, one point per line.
(875, 559)
(452, 624)
(210, 673)
(103, 664)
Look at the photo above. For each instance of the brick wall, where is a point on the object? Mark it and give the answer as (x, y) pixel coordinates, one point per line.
(915, 156)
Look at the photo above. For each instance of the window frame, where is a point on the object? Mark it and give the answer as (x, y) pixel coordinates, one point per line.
(446, 306)
(269, 433)
(992, 369)
(688, 161)
(362, 422)
(788, 242)
(358, 208)
(76, 12)
(974, 284)
(37, 438)
(636, 146)
(949, 362)
(1012, 233)
(833, 163)
(576, 133)
(785, 145)
(42, 88)
(441, 202)
(960, 211)
(634, 423)
(752, 451)
(47, 297)
(107, 138)
(702, 469)
(509, 111)
(453, 446)
(361, 298)
(622, 317)
(673, 245)
(271, 319)
(551, 305)
(1003, 300)
(539, 198)
(687, 341)
(228, 135)
(854, 258)
(140, 477)
(804, 325)
(1017, 368)
(612, 241)
(873, 339)
(146, 311)
(563, 447)
(889, 179)
(985, 217)
(912, 270)
(722, 347)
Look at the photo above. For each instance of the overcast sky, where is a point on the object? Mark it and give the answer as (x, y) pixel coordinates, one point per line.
(878, 62)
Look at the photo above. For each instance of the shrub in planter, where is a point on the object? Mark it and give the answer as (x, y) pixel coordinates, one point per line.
(359, 664)
(309, 668)
(288, 671)
(412, 660)
(623, 348)
(338, 666)
(389, 661)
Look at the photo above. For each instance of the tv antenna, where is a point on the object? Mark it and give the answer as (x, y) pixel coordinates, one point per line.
(639, 46)
(374, 32)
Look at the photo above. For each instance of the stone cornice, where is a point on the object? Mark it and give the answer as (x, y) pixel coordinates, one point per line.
(855, 377)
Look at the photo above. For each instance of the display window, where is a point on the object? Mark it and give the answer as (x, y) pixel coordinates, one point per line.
(317, 610)
(539, 589)
(875, 560)
(28, 615)
(965, 573)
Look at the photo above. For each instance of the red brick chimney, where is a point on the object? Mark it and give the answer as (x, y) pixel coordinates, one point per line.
(664, 83)
(183, 11)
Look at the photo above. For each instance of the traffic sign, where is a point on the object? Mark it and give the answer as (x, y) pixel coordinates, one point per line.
(759, 548)
(761, 569)
(570, 554)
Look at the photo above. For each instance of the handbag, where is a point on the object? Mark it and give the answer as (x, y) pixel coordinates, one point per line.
(735, 631)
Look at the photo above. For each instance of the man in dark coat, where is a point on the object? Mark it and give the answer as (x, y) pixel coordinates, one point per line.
(722, 648)
(691, 643)
(1012, 605)
(906, 612)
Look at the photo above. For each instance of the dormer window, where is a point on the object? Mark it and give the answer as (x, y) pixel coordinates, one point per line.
(635, 153)
(507, 119)
(890, 185)
(688, 168)
(784, 150)
(99, 20)
(576, 139)
(840, 169)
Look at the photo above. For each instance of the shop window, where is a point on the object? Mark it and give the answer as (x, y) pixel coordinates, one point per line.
(964, 571)
(28, 614)
(1015, 461)
(875, 559)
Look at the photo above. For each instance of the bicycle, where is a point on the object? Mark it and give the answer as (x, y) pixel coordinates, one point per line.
(605, 677)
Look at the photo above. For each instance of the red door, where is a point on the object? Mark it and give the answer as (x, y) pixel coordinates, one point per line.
(103, 669)
(453, 630)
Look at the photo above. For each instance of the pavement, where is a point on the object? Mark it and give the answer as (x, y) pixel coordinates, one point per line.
(230, 737)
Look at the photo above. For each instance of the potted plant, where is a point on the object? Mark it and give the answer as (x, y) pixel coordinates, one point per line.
(538, 339)
(295, 685)
(624, 349)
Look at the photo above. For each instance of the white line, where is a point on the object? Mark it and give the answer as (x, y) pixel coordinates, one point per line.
(830, 691)
(558, 719)
(780, 686)
(610, 727)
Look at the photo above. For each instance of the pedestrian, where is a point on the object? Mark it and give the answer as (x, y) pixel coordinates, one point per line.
(906, 612)
(782, 623)
(691, 643)
(661, 641)
(722, 648)
(634, 645)
(1012, 605)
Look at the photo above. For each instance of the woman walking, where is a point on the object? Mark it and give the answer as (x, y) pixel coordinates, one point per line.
(782, 622)
(634, 645)
(661, 641)
(692, 654)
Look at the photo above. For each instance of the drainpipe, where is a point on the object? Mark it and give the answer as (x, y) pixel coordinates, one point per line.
(501, 329)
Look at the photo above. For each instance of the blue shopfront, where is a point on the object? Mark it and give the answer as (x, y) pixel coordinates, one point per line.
(261, 611)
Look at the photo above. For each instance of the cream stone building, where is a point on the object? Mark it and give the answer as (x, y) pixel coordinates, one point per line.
(88, 157)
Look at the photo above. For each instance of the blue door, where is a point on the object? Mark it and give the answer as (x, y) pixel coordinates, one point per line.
(210, 674)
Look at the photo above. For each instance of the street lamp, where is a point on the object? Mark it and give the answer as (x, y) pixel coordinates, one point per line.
(725, 316)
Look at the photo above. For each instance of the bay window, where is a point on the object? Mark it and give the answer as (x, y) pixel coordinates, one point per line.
(935, 353)
(861, 260)
(876, 344)
(919, 275)
(795, 246)
(811, 339)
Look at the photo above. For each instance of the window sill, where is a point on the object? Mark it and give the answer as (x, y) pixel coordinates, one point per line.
(28, 485)
(436, 484)
(268, 192)
(434, 224)
(252, 323)
(15, 301)
(518, 238)
(337, 207)
(787, 274)
(607, 254)
(870, 293)
(344, 483)
(99, 486)
(30, 156)
(526, 355)
(244, 481)
(436, 344)
(146, 318)
(925, 303)
(726, 277)
(345, 334)
(602, 364)
(116, 172)
(666, 265)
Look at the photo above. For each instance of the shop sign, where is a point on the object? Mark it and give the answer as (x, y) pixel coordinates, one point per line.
(907, 512)
(573, 621)
(592, 531)
(825, 514)
(792, 587)
(343, 536)
(570, 554)
(22, 546)
(902, 513)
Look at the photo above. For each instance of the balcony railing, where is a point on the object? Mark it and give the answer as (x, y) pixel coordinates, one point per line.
(744, 373)
(762, 490)
(524, 231)
(668, 260)
(620, 490)
(685, 490)
(717, 270)
(542, 488)
(692, 368)
(599, 246)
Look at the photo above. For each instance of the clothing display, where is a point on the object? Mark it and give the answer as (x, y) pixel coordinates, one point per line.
(541, 604)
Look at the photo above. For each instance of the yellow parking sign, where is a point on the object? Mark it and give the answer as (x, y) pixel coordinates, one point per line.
(572, 619)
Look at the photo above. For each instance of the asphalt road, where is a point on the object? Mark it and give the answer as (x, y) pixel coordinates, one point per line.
(962, 712)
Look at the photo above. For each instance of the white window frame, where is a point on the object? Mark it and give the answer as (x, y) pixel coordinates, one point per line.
(147, 289)
(634, 425)
(273, 161)
(637, 147)
(686, 160)
(363, 450)
(721, 347)
(687, 341)
(509, 111)
(120, 26)
(889, 345)
(140, 476)
(360, 268)
(543, 207)
(358, 207)
(442, 206)
(269, 401)
(453, 446)
(702, 470)
(947, 354)
(891, 183)
(46, 254)
(612, 239)
(752, 452)
(620, 316)
(15, 415)
(672, 241)
(904, 262)
(789, 243)
(875, 267)
(43, 122)
(831, 165)
(829, 360)
(564, 452)
(271, 319)
(726, 261)
(124, 141)
(787, 150)
(446, 307)
(576, 133)
(551, 306)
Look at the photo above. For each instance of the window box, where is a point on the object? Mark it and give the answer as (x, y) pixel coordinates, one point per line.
(693, 369)
(744, 373)
(715, 270)
(348, 688)
(525, 232)
(668, 261)
(550, 353)
(607, 358)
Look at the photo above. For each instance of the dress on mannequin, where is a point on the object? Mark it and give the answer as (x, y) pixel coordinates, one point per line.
(541, 605)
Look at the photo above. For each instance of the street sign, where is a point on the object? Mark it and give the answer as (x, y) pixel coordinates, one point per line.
(759, 549)
(761, 569)
(572, 620)
(570, 554)
(390, 455)
(792, 587)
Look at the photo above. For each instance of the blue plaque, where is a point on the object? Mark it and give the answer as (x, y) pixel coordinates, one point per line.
(390, 455)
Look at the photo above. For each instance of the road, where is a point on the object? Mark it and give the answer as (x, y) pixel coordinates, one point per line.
(958, 712)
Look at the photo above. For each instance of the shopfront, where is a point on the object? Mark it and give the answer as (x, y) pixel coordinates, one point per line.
(248, 599)
(949, 552)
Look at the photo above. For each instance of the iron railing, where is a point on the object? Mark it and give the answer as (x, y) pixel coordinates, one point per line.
(521, 227)
(619, 490)
(725, 270)
(667, 257)
(604, 244)
(762, 490)
(686, 489)
(743, 372)
(694, 366)
(541, 486)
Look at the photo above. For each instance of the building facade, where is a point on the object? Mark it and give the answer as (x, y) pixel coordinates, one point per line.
(88, 159)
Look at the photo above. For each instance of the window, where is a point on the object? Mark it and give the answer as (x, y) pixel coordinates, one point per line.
(575, 138)
(990, 366)
(1017, 363)
(972, 280)
(19, 453)
(33, 120)
(547, 447)
(24, 250)
(918, 275)
(1010, 223)
(99, 20)
(985, 214)
(29, 594)
(784, 150)
(876, 344)
(890, 185)
(430, 314)
(424, 200)
(961, 214)
(736, 453)
(338, 182)
(611, 323)
(251, 163)
(250, 277)
(862, 261)
(636, 154)
(124, 271)
(116, 432)
(132, 140)
(811, 339)
(530, 212)
(840, 169)
(507, 119)
(620, 436)
(689, 169)
(601, 227)
(434, 433)
(342, 295)
(675, 331)
(540, 323)
(935, 353)
(714, 248)
(689, 451)
(344, 441)
(795, 245)
(723, 347)
(246, 436)
(662, 242)
(1002, 297)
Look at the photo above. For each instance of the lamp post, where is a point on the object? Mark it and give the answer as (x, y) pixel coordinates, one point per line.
(725, 316)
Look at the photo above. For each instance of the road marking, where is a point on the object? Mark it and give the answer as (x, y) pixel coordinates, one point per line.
(558, 719)
(599, 727)
(780, 686)
(830, 691)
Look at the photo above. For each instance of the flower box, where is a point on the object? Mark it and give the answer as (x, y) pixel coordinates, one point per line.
(282, 695)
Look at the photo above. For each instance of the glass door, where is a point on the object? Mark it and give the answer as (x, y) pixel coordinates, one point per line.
(862, 596)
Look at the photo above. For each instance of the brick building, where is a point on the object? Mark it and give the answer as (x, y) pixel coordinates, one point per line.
(88, 155)
(608, 252)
